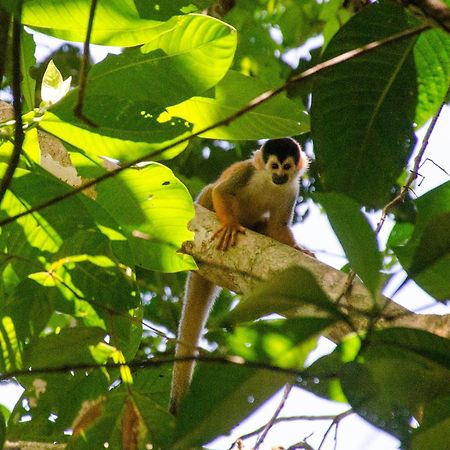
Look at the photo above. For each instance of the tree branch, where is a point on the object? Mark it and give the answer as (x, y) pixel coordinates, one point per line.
(257, 258)
(435, 10)
(19, 135)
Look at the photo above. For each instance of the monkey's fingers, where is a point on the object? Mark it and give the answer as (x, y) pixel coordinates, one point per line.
(227, 235)
(234, 234)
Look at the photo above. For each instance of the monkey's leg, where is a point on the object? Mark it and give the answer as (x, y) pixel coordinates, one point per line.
(199, 298)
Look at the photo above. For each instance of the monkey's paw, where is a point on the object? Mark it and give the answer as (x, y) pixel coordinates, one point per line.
(227, 235)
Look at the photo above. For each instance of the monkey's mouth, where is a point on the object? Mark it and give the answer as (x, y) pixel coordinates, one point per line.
(279, 179)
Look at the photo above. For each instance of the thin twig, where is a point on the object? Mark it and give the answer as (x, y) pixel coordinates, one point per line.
(78, 110)
(414, 172)
(302, 445)
(289, 419)
(271, 423)
(249, 107)
(335, 423)
(17, 103)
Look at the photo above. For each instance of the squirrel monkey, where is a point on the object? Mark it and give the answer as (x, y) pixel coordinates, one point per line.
(259, 194)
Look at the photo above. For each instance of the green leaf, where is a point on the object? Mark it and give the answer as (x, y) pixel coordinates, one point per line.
(278, 117)
(30, 307)
(28, 61)
(126, 418)
(71, 346)
(433, 433)
(94, 272)
(363, 110)
(426, 256)
(208, 412)
(40, 233)
(189, 59)
(322, 377)
(432, 59)
(153, 208)
(289, 289)
(117, 22)
(399, 372)
(283, 343)
(356, 237)
(11, 347)
(50, 403)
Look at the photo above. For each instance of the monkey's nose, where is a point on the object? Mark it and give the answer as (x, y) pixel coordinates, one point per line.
(279, 179)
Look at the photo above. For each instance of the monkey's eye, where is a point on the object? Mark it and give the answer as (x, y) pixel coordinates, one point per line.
(274, 166)
(286, 166)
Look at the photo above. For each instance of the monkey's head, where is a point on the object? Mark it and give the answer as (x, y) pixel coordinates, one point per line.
(282, 158)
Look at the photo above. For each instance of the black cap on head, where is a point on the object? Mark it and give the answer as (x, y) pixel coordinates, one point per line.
(282, 148)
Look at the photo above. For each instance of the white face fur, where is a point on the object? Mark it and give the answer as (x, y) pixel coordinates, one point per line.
(281, 172)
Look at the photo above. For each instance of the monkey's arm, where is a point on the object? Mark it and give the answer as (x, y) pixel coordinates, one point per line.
(225, 198)
(280, 219)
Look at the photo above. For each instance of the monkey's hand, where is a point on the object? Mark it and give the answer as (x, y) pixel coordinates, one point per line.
(227, 235)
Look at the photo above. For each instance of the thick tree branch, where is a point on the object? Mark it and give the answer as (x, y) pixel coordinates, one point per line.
(437, 11)
(257, 258)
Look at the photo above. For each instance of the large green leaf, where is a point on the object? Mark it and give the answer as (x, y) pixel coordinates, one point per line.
(71, 346)
(42, 233)
(283, 343)
(27, 310)
(398, 374)
(126, 417)
(153, 209)
(278, 117)
(289, 289)
(127, 94)
(221, 396)
(356, 237)
(52, 401)
(117, 22)
(426, 256)
(94, 272)
(363, 110)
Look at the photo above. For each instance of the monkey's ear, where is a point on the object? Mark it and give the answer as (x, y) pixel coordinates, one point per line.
(258, 159)
(303, 163)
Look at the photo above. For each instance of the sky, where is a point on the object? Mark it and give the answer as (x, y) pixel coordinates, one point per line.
(316, 234)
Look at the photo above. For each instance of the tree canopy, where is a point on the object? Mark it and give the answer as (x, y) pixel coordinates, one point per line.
(99, 163)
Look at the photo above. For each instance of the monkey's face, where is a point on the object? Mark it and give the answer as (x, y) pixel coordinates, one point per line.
(281, 171)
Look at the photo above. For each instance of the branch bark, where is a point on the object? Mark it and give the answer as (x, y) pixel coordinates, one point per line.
(257, 258)
(437, 11)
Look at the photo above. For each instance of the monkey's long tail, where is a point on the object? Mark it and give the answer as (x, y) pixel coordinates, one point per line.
(199, 298)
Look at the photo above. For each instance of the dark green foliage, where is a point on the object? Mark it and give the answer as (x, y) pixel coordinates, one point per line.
(95, 281)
